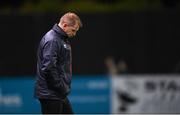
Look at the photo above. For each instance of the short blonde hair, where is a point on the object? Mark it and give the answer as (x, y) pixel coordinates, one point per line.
(71, 19)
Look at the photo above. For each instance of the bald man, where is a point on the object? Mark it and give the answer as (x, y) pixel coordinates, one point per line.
(54, 70)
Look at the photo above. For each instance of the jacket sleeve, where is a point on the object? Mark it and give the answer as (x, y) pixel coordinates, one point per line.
(49, 67)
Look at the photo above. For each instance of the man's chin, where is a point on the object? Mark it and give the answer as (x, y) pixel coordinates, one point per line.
(70, 36)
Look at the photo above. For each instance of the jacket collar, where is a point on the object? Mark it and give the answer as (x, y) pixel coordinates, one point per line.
(60, 31)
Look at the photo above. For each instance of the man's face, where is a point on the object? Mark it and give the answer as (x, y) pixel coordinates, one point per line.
(71, 30)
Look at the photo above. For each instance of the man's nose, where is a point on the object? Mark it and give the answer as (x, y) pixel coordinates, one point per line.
(74, 33)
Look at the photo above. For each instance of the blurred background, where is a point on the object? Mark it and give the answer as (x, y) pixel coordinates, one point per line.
(125, 58)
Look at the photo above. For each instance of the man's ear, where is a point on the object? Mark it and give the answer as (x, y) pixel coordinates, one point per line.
(64, 25)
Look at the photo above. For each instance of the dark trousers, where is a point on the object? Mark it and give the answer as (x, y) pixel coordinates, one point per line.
(56, 106)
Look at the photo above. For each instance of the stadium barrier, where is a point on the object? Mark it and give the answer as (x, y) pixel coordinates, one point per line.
(99, 94)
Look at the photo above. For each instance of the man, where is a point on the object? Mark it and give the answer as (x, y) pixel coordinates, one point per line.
(54, 66)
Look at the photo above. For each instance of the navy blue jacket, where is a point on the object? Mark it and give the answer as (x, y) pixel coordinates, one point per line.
(53, 65)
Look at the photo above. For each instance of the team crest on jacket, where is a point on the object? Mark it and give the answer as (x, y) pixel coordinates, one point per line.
(67, 46)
